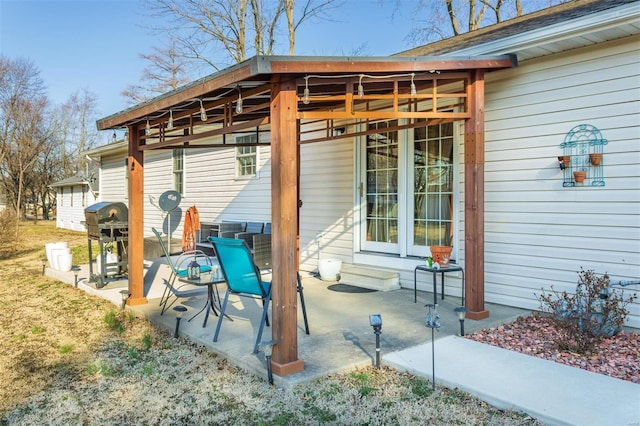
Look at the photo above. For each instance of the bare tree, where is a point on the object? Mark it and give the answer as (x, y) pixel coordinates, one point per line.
(27, 128)
(439, 19)
(309, 10)
(166, 71)
(201, 30)
(75, 130)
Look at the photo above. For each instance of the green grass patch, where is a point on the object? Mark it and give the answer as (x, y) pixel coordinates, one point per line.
(101, 368)
(421, 387)
(65, 349)
(114, 322)
(147, 341)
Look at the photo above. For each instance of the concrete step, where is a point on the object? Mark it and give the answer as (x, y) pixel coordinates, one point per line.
(371, 278)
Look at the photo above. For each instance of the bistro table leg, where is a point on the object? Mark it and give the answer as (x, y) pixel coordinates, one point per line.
(209, 305)
(415, 285)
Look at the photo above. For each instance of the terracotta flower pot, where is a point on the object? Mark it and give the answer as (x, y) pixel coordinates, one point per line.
(565, 160)
(441, 254)
(596, 158)
(579, 176)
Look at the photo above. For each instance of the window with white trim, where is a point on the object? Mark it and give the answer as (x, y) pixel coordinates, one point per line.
(246, 156)
(178, 170)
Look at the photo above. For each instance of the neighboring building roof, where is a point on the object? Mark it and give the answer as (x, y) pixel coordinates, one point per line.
(71, 181)
(611, 18)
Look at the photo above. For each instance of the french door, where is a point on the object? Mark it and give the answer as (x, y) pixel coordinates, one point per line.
(381, 155)
(407, 183)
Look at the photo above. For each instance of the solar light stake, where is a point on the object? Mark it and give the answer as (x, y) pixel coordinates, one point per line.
(433, 323)
(267, 348)
(76, 271)
(44, 264)
(461, 311)
(180, 310)
(375, 320)
(125, 295)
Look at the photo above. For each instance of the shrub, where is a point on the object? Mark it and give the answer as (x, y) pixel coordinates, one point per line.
(594, 311)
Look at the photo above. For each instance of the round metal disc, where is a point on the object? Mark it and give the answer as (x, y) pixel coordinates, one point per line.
(169, 200)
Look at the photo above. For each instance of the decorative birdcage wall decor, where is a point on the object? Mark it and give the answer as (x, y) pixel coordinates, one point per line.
(582, 161)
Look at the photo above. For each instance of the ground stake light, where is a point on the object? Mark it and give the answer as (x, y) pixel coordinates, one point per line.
(180, 310)
(433, 322)
(125, 295)
(76, 271)
(375, 321)
(461, 312)
(267, 348)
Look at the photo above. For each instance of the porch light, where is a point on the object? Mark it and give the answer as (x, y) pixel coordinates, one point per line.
(114, 137)
(360, 88)
(239, 102)
(180, 310)
(461, 312)
(267, 348)
(124, 295)
(170, 123)
(76, 271)
(375, 321)
(193, 270)
(433, 323)
(305, 96)
(147, 129)
(203, 112)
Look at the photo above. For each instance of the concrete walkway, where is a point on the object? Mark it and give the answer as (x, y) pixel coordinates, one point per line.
(554, 393)
(341, 339)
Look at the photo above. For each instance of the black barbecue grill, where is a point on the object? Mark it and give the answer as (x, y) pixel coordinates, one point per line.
(108, 224)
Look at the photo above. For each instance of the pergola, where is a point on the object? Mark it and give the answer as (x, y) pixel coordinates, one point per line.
(333, 96)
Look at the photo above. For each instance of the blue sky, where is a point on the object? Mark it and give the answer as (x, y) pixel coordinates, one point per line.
(94, 44)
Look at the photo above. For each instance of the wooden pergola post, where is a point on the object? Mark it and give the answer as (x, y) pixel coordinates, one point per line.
(284, 216)
(135, 164)
(474, 198)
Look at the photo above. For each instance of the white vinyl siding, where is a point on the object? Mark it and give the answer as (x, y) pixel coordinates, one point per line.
(113, 185)
(327, 192)
(538, 233)
(70, 214)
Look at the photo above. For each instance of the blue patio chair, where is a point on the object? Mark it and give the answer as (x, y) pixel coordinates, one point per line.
(243, 279)
(179, 270)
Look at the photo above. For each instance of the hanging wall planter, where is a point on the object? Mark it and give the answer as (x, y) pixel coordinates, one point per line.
(564, 160)
(579, 176)
(595, 158)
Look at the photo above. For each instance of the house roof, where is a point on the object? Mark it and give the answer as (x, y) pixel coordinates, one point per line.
(110, 148)
(547, 31)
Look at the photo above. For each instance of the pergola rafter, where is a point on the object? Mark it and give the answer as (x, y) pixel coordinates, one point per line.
(274, 99)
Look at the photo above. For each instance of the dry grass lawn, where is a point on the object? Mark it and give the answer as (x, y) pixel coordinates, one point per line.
(71, 358)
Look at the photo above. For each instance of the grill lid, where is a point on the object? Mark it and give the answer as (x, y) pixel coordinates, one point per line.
(106, 212)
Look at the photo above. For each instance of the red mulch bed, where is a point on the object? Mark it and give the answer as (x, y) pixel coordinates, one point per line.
(618, 356)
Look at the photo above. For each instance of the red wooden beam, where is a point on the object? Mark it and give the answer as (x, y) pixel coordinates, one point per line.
(284, 216)
(136, 221)
(474, 199)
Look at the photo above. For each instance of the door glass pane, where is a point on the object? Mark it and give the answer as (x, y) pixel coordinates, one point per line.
(382, 183)
(433, 189)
